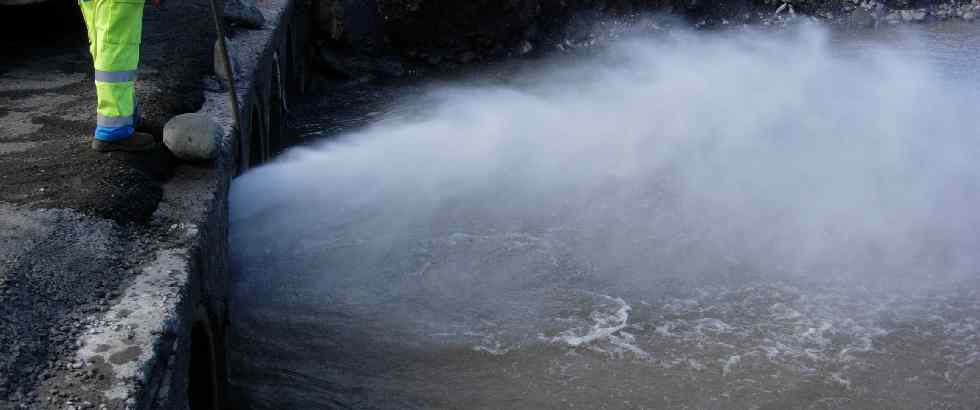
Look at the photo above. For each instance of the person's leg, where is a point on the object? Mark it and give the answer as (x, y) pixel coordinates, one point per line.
(88, 14)
(118, 30)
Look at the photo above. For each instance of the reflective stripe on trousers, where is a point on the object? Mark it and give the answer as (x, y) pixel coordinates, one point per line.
(114, 32)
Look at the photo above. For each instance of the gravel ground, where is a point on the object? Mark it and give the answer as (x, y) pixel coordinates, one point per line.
(48, 106)
(75, 224)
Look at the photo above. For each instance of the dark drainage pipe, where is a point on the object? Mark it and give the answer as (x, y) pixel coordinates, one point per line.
(204, 387)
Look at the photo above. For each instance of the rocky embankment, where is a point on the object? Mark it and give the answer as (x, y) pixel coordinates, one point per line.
(394, 38)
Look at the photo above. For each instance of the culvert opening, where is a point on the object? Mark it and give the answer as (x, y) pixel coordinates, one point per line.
(255, 142)
(277, 117)
(202, 376)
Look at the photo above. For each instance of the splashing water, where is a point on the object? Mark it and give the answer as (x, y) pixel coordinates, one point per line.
(729, 220)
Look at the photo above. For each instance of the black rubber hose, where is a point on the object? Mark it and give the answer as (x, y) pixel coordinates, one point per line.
(226, 65)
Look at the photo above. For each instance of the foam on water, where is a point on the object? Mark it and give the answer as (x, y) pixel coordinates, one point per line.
(808, 330)
(606, 332)
(604, 326)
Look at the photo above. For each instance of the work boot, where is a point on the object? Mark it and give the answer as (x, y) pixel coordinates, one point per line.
(139, 141)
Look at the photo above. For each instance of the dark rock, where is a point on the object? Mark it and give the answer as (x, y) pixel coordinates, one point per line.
(355, 24)
(467, 57)
(388, 67)
(861, 18)
(344, 65)
(243, 13)
(913, 15)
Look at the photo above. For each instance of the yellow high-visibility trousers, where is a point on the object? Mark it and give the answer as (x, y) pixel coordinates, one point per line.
(115, 28)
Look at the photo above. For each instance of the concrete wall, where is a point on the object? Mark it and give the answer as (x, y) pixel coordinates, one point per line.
(270, 65)
(279, 72)
(162, 346)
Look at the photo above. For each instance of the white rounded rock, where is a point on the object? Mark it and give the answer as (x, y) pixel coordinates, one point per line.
(192, 137)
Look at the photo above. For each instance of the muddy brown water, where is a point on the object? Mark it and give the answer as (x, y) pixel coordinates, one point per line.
(350, 297)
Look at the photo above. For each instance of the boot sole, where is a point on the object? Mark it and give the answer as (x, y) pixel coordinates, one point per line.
(101, 146)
